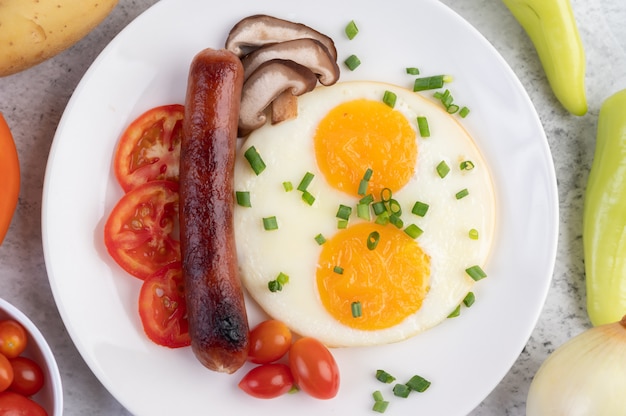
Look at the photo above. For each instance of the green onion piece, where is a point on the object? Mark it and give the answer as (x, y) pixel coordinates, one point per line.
(462, 193)
(373, 239)
(288, 186)
(243, 198)
(338, 270)
(357, 309)
(464, 112)
(305, 182)
(452, 108)
(378, 396)
(456, 312)
(466, 165)
(394, 207)
(380, 406)
(389, 98)
(320, 239)
(367, 199)
(418, 383)
(473, 234)
(476, 273)
(385, 195)
(282, 278)
(469, 299)
(379, 207)
(308, 197)
(420, 209)
(383, 218)
(344, 212)
(413, 231)
(401, 390)
(270, 223)
(395, 219)
(342, 224)
(274, 286)
(254, 158)
(422, 125)
(352, 62)
(368, 174)
(413, 71)
(428, 83)
(363, 211)
(443, 169)
(363, 187)
(351, 30)
(385, 377)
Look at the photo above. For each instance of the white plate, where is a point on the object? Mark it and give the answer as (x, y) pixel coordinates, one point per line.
(147, 64)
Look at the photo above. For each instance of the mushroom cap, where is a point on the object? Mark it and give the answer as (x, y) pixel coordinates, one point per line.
(307, 52)
(257, 30)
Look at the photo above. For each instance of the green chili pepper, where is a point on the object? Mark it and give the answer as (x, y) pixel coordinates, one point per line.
(604, 217)
(551, 26)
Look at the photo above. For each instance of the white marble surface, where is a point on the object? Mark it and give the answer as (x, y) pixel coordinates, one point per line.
(33, 102)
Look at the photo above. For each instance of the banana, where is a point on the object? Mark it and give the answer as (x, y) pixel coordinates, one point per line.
(32, 31)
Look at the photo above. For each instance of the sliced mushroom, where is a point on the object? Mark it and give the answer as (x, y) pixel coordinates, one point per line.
(258, 30)
(267, 83)
(307, 52)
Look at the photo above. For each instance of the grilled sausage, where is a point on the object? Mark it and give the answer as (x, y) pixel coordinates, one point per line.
(218, 324)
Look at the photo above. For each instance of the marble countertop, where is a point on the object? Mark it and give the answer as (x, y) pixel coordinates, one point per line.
(34, 100)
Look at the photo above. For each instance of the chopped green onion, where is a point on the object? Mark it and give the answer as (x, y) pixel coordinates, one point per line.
(351, 30)
(456, 312)
(466, 165)
(389, 98)
(379, 207)
(274, 286)
(469, 299)
(462, 193)
(288, 186)
(344, 212)
(357, 309)
(413, 231)
(476, 273)
(308, 197)
(380, 406)
(254, 158)
(383, 218)
(305, 182)
(342, 224)
(385, 377)
(320, 239)
(368, 174)
(385, 195)
(428, 83)
(378, 396)
(363, 211)
(464, 112)
(452, 108)
(243, 198)
(395, 219)
(418, 383)
(367, 199)
(352, 62)
(420, 209)
(443, 169)
(422, 125)
(413, 71)
(363, 187)
(338, 270)
(373, 239)
(394, 207)
(282, 278)
(270, 223)
(473, 234)
(401, 390)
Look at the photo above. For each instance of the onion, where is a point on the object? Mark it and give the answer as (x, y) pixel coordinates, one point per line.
(584, 376)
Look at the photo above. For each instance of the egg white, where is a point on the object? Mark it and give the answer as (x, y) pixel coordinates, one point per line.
(288, 152)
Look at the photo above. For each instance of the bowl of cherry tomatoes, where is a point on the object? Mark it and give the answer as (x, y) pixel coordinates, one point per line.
(30, 382)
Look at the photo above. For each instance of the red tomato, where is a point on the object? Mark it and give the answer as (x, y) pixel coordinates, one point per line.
(163, 309)
(149, 149)
(314, 369)
(13, 404)
(267, 381)
(139, 233)
(27, 376)
(6, 373)
(269, 341)
(13, 338)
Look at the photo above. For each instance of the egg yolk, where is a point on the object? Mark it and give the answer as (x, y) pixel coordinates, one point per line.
(361, 134)
(389, 281)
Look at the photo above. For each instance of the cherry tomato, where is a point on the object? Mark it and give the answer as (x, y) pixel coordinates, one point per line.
(28, 377)
(9, 177)
(13, 338)
(149, 148)
(14, 404)
(139, 233)
(269, 341)
(267, 381)
(314, 369)
(163, 309)
(6, 373)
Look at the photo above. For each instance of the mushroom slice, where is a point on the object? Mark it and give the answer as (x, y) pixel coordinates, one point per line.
(267, 83)
(307, 52)
(258, 30)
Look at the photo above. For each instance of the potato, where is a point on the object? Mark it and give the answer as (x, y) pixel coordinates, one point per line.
(32, 31)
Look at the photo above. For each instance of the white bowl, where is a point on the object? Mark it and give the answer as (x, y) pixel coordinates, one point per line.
(50, 397)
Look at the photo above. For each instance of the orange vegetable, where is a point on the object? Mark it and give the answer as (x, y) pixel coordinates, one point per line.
(9, 177)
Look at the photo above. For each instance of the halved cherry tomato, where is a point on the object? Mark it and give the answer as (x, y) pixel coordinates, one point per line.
(6, 373)
(13, 338)
(14, 404)
(269, 341)
(267, 381)
(28, 377)
(9, 177)
(141, 229)
(149, 148)
(163, 309)
(314, 368)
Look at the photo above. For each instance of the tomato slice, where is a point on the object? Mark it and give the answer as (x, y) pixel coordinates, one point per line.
(314, 368)
(163, 309)
(141, 231)
(149, 149)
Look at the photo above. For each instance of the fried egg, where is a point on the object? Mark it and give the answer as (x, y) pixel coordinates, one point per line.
(309, 228)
